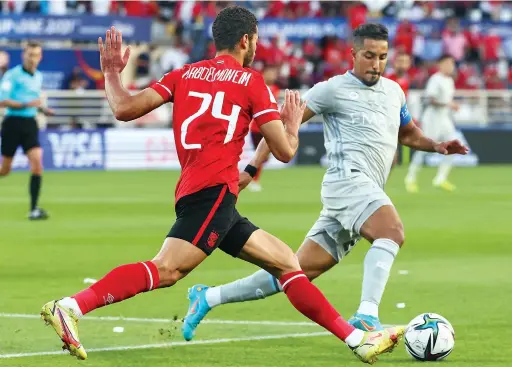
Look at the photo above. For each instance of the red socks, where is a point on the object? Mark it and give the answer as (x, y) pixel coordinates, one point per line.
(309, 301)
(121, 283)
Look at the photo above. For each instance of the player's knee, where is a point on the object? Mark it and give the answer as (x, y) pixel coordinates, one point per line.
(287, 264)
(4, 171)
(396, 233)
(312, 274)
(169, 274)
(36, 168)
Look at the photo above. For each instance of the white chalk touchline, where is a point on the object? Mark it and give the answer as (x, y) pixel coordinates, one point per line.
(156, 320)
(171, 344)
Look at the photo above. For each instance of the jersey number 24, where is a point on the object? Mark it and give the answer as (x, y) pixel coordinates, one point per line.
(216, 111)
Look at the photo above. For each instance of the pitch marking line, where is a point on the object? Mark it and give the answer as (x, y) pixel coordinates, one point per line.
(151, 320)
(171, 344)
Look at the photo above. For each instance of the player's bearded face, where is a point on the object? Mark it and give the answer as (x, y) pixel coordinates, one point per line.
(370, 60)
(251, 51)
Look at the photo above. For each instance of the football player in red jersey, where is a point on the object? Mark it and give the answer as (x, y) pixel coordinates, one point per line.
(214, 102)
(270, 74)
(400, 75)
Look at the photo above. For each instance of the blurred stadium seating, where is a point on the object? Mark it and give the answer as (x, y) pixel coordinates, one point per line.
(306, 41)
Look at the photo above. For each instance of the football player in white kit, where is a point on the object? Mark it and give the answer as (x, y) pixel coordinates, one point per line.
(365, 115)
(437, 123)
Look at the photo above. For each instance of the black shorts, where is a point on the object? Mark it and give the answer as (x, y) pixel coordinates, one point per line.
(208, 219)
(256, 137)
(18, 131)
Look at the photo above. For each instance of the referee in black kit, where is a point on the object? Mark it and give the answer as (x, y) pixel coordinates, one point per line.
(20, 94)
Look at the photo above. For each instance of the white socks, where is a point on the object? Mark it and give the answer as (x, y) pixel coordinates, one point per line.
(443, 171)
(213, 296)
(355, 338)
(377, 265)
(71, 304)
(369, 308)
(415, 166)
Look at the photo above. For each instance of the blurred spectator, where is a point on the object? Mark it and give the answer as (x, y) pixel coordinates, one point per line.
(507, 49)
(474, 40)
(490, 9)
(136, 8)
(429, 49)
(467, 77)
(454, 41)
(375, 7)
(297, 67)
(492, 78)
(476, 48)
(400, 71)
(404, 38)
(143, 77)
(356, 14)
(77, 80)
(174, 57)
(101, 7)
(491, 46)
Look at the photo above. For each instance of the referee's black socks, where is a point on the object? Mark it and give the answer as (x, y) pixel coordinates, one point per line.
(35, 188)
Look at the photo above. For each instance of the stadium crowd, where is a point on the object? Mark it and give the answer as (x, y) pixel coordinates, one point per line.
(484, 58)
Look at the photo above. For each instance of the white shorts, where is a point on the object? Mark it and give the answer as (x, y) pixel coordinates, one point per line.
(347, 204)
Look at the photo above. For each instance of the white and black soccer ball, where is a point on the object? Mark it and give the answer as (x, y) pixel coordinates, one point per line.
(429, 337)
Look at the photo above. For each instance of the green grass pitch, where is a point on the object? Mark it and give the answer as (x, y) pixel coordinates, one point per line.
(457, 254)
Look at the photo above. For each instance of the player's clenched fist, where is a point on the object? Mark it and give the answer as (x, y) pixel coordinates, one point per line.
(111, 58)
(292, 110)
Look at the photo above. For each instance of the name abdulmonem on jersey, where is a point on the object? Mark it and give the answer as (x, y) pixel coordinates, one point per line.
(213, 74)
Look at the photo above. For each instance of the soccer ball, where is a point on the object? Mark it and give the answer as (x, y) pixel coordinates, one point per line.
(429, 337)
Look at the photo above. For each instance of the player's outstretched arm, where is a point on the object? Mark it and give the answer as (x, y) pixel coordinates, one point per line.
(262, 152)
(282, 137)
(411, 135)
(126, 107)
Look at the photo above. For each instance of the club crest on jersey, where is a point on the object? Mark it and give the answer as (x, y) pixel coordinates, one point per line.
(353, 95)
(212, 239)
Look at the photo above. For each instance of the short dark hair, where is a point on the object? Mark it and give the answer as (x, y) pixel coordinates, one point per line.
(230, 25)
(33, 44)
(444, 57)
(373, 31)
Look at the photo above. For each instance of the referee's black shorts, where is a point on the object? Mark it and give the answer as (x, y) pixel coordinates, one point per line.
(208, 219)
(18, 131)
